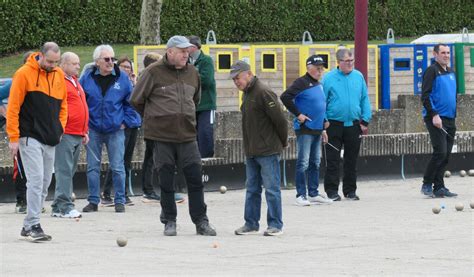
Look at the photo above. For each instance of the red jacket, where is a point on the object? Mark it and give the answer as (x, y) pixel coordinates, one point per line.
(78, 112)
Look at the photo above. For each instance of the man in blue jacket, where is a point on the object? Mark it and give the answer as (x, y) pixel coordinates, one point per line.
(107, 90)
(349, 114)
(439, 113)
(305, 99)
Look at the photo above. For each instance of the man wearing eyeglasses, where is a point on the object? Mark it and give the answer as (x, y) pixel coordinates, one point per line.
(166, 95)
(107, 92)
(305, 99)
(348, 112)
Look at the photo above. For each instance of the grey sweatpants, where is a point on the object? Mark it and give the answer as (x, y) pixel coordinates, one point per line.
(38, 162)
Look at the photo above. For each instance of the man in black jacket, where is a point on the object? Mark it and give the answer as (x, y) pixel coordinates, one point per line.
(265, 134)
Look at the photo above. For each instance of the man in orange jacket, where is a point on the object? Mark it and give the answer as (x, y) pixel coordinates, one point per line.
(75, 134)
(36, 116)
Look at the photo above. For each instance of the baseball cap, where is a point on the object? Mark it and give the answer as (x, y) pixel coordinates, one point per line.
(179, 42)
(315, 60)
(195, 40)
(237, 67)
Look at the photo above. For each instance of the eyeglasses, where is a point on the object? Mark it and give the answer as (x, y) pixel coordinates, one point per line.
(109, 59)
(347, 61)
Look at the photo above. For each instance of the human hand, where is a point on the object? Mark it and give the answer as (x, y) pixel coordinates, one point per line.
(324, 137)
(437, 121)
(302, 118)
(85, 139)
(364, 129)
(14, 146)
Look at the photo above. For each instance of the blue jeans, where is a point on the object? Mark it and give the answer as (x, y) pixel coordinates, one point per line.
(115, 149)
(307, 164)
(263, 170)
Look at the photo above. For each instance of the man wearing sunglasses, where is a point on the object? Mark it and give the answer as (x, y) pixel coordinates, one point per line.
(107, 92)
(348, 112)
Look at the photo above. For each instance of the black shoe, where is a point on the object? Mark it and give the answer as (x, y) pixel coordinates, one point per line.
(205, 229)
(443, 192)
(128, 201)
(36, 233)
(119, 208)
(151, 197)
(352, 196)
(170, 229)
(334, 197)
(90, 208)
(106, 200)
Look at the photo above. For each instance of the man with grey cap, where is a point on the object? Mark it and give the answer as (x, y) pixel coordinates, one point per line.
(166, 95)
(265, 134)
(305, 99)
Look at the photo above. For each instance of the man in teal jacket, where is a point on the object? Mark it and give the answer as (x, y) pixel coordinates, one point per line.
(348, 112)
(206, 110)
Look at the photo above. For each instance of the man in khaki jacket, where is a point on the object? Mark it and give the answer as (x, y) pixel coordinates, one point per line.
(166, 95)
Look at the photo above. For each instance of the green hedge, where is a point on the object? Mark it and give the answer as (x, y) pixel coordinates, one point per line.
(28, 23)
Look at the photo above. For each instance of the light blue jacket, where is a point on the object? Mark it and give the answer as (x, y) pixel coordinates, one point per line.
(346, 97)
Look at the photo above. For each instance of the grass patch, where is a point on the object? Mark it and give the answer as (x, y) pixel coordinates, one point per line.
(11, 63)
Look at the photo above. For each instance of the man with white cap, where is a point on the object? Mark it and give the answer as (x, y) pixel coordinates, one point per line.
(166, 95)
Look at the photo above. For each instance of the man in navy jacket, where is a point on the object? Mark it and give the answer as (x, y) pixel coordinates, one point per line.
(439, 113)
(306, 100)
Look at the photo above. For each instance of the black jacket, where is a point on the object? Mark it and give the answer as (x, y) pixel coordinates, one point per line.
(264, 125)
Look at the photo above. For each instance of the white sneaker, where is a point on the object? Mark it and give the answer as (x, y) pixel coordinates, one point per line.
(319, 199)
(302, 201)
(72, 214)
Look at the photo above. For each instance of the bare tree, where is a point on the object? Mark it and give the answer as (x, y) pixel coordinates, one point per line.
(150, 22)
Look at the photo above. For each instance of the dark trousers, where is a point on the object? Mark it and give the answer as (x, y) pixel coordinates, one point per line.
(350, 138)
(205, 133)
(20, 183)
(149, 174)
(167, 155)
(130, 141)
(442, 145)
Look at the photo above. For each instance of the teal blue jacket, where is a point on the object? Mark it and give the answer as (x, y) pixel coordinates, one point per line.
(347, 98)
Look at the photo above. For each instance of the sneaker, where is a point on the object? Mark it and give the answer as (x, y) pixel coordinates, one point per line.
(178, 198)
(334, 197)
(119, 208)
(20, 208)
(35, 234)
(245, 230)
(90, 208)
(150, 198)
(72, 214)
(271, 231)
(205, 229)
(443, 192)
(56, 214)
(128, 201)
(302, 201)
(427, 189)
(352, 196)
(170, 229)
(319, 199)
(106, 201)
